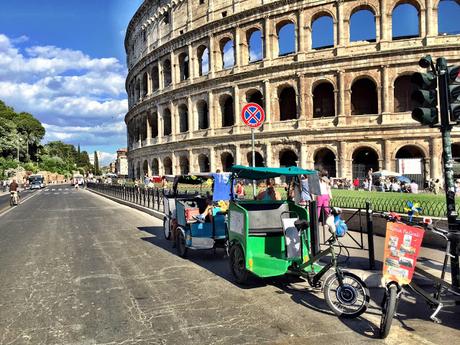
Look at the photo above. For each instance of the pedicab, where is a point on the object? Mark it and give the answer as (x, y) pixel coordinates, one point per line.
(187, 229)
(269, 238)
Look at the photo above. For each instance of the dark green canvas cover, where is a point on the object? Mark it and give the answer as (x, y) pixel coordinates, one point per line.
(259, 173)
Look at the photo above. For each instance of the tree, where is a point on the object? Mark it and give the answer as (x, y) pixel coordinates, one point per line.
(96, 164)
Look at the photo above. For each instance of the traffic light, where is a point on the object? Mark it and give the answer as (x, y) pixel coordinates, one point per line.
(453, 79)
(426, 97)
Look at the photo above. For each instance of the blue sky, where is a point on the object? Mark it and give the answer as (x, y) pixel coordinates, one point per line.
(64, 62)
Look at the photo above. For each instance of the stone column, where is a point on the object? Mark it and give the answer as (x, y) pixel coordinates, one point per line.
(268, 105)
(238, 48)
(212, 159)
(303, 159)
(341, 99)
(212, 57)
(268, 154)
(211, 113)
(302, 96)
(436, 153)
(161, 81)
(149, 130)
(237, 154)
(268, 49)
(342, 160)
(161, 171)
(385, 19)
(191, 117)
(160, 126)
(423, 22)
(191, 162)
(174, 163)
(174, 120)
(302, 42)
(173, 68)
(237, 108)
(387, 156)
(308, 42)
(191, 63)
(340, 25)
(385, 94)
(149, 82)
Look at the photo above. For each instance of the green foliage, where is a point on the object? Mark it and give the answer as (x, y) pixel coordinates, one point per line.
(5, 164)
(96, 164)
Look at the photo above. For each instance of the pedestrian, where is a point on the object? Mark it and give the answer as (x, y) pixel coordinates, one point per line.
(323, 200)
(305, 196)
(146, 180)
(366, 184)
(369, 178)
(240, 192)
(270, 192)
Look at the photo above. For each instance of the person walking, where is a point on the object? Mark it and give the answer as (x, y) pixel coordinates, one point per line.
(356, 183)
(240, 192)
(323, 200)
(413, 187)
(270, 192)
(369, 178)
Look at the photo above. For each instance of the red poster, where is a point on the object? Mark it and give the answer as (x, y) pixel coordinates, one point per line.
(402, 245)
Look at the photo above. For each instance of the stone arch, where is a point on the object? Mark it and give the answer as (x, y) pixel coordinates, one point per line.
(227, 161)
(145, 167)
(405, 19)
(255, 44)
(323, 99)
(167, 78)
(155, 77)
(227, 110)
(363, 159)
(259, 159)
(183, 118)
(184, 165)
(184, 66)
(287, 158)
(227, 50)
(286, 34)
(255, 96)
(167, 122)
(203, 60)
(155, 167)
(325, 159)
(402, 94)
(167, 166)
(322, 30)
(362, 24)
(364, 99)
(287, 102)
(203, 114)
(411, 162)
(448, 9)
(203, 163)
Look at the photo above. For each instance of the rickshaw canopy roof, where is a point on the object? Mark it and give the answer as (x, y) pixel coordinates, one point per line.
(259, 173)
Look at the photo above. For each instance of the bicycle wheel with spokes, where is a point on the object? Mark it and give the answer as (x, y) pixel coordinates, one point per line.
(388, 310)
(348, 299)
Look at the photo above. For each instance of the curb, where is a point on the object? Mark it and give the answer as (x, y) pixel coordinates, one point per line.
(154, 213)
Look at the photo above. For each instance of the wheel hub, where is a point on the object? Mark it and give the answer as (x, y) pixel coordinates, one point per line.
(346, 294)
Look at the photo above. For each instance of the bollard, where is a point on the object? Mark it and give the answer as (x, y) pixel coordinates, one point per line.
(370, 235)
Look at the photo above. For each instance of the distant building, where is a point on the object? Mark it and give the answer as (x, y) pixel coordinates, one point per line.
(121, 164)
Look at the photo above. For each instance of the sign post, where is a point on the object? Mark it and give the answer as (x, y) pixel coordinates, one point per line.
(253, 116)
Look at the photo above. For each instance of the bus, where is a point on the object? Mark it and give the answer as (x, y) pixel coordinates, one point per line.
(77, 179)
(37, 179)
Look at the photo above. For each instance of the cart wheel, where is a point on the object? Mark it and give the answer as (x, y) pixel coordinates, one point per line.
(238, 264)
(166, 228)
(180, 244)
(348, 299)
(389, 306)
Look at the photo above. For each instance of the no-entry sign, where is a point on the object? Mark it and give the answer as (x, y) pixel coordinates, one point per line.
(253, 115)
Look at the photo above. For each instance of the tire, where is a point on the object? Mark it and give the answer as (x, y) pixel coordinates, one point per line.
(388, 310)
(11, 202)
(238, 264)
(166, 228)
(180, 244)
(349, 299)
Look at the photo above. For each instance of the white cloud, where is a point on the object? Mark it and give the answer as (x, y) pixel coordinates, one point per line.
(78, 98)
(106, 157)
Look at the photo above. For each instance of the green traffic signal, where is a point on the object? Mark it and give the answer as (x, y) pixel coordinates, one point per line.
(425, 96)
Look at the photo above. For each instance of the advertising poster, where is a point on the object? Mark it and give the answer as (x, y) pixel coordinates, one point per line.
(402, 246)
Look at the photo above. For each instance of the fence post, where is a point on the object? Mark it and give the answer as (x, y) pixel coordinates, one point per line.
(370, 235)
(314, 229)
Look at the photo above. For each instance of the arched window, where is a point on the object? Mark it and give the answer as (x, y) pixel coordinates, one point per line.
(228, 118)
(184, 165)
(183, 118)
(145, 167)
(167, 165)
(325, 160)
(410, 162)
(323, 100)
(286, 38)
(154, 125)
(203, 162)
(402, 94)
(448, 14)
(255, 96)
(227, 161)
(228, 53)
(287, 104)
(322, 36)
(258, 159)
(155, 167)
(288, 158)
(155, 78)
(362, 26)
(203, 115)
(405, 21)
(167, 130)
(363, 97)
(364, 158)
(183, 66)
(203, 60)
(167, 72)
(138, 170)
(255, 47)
(145, 81)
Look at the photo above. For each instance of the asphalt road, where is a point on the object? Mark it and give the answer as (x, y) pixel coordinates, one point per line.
(76, 268)
(5, 198)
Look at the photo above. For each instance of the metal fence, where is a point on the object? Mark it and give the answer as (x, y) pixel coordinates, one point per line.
(429, 208)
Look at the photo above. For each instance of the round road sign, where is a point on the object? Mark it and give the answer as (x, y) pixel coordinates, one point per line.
(253, 115)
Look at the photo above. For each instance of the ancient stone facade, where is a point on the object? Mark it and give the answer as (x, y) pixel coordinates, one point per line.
(344, 106)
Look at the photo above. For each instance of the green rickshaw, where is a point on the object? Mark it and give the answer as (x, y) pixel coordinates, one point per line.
(269, 238)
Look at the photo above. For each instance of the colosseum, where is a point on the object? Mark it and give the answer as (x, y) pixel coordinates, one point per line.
(332, 76)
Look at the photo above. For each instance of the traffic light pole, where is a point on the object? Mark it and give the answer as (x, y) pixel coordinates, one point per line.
(446, 127)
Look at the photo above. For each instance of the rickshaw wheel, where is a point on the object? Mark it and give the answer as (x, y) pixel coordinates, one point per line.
(166, 229)
(180, 244)
(238, 264)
